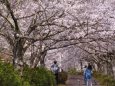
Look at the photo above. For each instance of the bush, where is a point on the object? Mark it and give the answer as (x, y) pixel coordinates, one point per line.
(8, 76)
(72, 71)
(104, 79)
(39, 77)
(62, 77)
(31, 77)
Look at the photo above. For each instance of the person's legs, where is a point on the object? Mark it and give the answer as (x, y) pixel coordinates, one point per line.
(56, 77)
(89, 83)
(85, 80)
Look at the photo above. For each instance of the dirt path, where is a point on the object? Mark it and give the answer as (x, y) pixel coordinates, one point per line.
(78, 81)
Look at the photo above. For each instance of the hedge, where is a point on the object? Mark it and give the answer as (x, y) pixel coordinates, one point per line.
(9, 76)
(105, 80)
(39, 77)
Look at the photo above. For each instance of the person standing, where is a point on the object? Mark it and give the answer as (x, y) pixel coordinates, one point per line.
(55, 70)
(88, 75)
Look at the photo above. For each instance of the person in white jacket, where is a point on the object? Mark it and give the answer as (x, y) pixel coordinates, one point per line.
(55, 70)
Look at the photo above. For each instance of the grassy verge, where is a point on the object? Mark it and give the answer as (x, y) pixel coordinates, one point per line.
(104, 80)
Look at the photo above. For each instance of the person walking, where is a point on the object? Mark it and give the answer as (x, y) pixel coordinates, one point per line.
(88, 75)
(55, 70)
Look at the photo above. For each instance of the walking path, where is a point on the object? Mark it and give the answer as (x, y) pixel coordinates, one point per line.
(78, 81)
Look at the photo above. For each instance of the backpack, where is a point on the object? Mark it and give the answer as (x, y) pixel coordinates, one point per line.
(88, 74)
(55, 68)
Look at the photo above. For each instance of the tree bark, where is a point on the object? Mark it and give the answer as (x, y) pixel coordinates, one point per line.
(110, 69)
(18, 52)
(41, 59)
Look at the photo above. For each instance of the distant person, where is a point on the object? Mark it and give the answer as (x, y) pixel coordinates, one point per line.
(84, 69)
(88, 75)
(55, 70)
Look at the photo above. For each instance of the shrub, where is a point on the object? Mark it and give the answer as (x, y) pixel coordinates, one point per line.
(72, 71)
(39, 77)
(8, 76)
(104, 79)
(62, 77)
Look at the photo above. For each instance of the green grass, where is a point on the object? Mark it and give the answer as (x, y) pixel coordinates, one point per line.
(104, 79)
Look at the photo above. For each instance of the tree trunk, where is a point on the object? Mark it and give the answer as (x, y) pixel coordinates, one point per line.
(99, 67)
(42, 62)
(18, 53)
(41, 59)
(110, 69)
